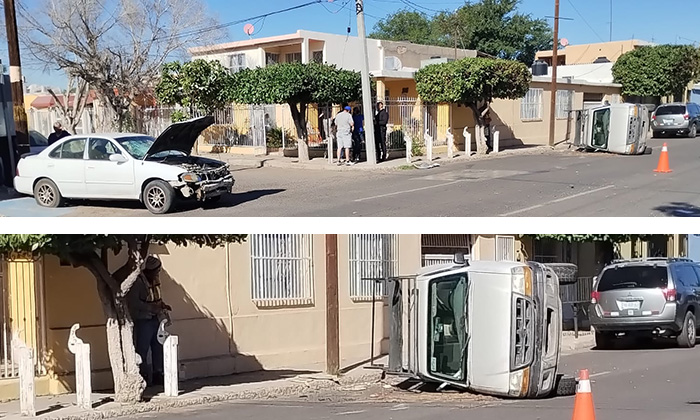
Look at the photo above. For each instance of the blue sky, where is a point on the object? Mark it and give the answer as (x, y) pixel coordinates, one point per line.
(631, 18)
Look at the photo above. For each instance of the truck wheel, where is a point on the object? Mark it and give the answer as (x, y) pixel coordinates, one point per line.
(604, 341)
(566, 386)
(687, 335)
(158, 196)
(46, 194)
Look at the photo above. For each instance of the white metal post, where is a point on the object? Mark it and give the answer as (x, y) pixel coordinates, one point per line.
(496, 140)
(467, 141)
(170, 364)
(25, 358)
(409, 147)
(366, 85)
(83, 382)
(450, 143)
(429, 145)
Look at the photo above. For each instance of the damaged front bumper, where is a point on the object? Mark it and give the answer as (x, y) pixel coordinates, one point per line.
(204, 189)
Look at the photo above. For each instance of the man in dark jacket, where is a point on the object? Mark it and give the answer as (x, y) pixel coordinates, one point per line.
(58, 133)
(381, 119)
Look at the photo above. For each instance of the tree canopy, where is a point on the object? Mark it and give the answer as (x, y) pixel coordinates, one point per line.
(603, 237)
(494, 27)
(201, 84)
(658, 70)
(474, 82)
(297, 85)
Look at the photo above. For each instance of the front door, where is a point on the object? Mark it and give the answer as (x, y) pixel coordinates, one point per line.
(66, 168)
(105, 178)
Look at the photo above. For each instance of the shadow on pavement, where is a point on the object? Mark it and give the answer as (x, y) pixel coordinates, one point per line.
(230, 200)
(634, 343)
(678, 209)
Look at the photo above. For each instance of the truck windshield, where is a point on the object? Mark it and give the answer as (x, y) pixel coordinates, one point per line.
(601, 128)
(448, 326)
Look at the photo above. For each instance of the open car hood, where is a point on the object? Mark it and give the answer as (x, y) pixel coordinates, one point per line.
(180, 136)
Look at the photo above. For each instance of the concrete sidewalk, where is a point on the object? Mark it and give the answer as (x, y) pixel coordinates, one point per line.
(248, 386)
(278, 161)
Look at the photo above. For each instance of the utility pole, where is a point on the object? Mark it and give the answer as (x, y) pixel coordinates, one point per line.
(555, 58)
(332, 310)
(20, 115)
(366, 86)
(611, 19)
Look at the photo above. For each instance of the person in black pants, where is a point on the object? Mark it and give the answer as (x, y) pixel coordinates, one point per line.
(381, 119)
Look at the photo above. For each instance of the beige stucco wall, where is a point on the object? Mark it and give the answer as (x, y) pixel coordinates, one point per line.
(221, 329)
(588, 53)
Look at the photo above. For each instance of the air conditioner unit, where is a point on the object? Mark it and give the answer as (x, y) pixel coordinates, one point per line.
(392, 63)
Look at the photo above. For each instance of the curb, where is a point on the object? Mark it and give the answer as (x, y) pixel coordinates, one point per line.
(310, 383)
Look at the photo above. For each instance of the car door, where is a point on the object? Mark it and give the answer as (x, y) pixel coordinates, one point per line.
(686, 282)
(105, 178)
(66, 167)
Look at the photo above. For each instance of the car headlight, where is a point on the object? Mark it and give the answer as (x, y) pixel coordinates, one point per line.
(522, 280)
(190, 177)
(519, 383)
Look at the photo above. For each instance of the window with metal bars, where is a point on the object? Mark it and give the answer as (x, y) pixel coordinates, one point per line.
(531, 105)
(505, 248)
(318, 57)
(565, 103)
(371, 256)
(281, 269)
(293, 57)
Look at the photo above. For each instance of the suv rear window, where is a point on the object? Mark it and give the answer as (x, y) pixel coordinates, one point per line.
(640, 277)
(670, 110)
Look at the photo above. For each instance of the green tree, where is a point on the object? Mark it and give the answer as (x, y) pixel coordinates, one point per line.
(90, 252)
(198, 84)
(297, 85)
(475, 83)
(616, 239)
(494, 27)
(658, 70)
(406, 25)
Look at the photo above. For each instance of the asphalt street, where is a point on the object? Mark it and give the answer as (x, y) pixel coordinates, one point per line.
(628, 384)
(570, 184)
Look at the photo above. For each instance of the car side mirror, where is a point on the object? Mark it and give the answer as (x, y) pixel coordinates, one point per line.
(117, 157)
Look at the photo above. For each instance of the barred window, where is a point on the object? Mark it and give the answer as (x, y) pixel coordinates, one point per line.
(565, 103)
(281, 269)
(293, 57)
(531, 105)
(271, 58)
(237, 62)
(318, 57)
(505, 248)
(371, 256)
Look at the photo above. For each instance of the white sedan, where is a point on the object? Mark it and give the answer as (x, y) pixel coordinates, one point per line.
(125, 166)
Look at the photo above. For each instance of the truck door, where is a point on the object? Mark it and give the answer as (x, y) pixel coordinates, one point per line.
(600, 128)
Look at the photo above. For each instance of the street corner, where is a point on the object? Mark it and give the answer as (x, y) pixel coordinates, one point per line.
(27, 207)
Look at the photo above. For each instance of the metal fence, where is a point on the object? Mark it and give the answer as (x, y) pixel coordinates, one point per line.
(281, 269)
(371, 256)
(436, 259)
(578, 292)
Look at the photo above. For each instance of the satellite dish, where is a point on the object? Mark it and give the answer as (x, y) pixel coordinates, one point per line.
(249, 29)
(564, 42)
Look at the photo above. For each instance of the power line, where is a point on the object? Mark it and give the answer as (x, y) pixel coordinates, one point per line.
(585, 21)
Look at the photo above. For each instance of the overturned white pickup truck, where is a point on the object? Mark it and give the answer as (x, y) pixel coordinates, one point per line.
(483, 326)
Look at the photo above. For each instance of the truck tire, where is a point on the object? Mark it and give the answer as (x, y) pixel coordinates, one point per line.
(566, 386)
(604, 341)
(687, 336)
(158, 196)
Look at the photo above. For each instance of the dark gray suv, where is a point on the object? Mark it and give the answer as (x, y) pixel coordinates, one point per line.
(654, 297)
(675, 119)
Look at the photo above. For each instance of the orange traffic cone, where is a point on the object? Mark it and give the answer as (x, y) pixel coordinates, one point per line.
(583, 404)
(663, 161)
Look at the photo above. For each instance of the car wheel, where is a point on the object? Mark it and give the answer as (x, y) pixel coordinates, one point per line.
(46, 194)
(565, 386)
(158, 196)
(604, 340)
(693, 131)
(687, 335)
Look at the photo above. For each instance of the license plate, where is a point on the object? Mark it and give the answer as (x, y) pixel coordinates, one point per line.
(634, 306)
(669, 122)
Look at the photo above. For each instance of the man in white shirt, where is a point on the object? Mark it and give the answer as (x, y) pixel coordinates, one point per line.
(344, 124)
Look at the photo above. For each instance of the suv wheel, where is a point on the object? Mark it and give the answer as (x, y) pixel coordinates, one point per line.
(687, 335)
(604, 340)
(693, 132)
(158, 196)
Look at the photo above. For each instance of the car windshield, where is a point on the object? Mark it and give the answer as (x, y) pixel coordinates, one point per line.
(639, 277)
(137, 146)
(671, 110)
(448, 323)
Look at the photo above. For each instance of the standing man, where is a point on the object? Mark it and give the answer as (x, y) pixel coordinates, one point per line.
(381, 119)
(344, 124)
(58, 133)
(358, 133)
(147, 310)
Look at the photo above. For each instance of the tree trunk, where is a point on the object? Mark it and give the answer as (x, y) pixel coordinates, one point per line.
(128, 383)
(299, 117)
(479, 131)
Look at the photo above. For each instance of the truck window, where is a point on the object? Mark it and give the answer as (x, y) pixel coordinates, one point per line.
(601, 128)
(641, 277)
(448, 326)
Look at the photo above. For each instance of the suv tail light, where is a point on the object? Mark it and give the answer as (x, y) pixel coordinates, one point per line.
(669, 294)
(595, 297)
(17, 171)
(653, 117)
(686, 116)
